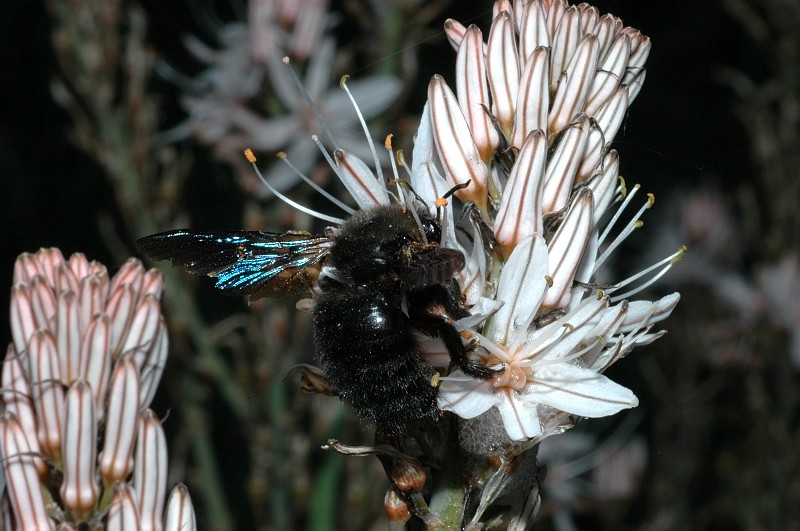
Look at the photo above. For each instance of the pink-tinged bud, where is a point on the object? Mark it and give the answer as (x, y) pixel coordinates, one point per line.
(150, 471)
(153, 283)
(79, 489)
(79, 265)
(47, 390)
(122, 422)
(520, 212)
(533, 98)
(142, 330)
(23, 318)
(49, 260)
(533, 29)
(574, 85)
(68, 336)
(22, 478)
(66, 279)
(565, 39)
(154, 365)
(16, 394)
(455, 32)
(503, 69)
(131, 272)
(457, 150)
(92, 298)
(123, 514)
(397, 508)
(473, 92)
(120, 309)
(180, 513)
(26, 267)
(96, 359)
(566, 250)
(563, 165)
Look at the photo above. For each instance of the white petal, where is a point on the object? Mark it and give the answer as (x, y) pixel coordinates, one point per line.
(520, 418)
(465, 396)
(579, 391)
(645, 313)
(521, 288)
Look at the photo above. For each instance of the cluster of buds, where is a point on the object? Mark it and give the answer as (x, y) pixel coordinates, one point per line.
(78, 444)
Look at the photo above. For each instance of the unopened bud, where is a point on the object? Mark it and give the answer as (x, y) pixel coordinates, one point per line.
(408, 475)
(397, 508)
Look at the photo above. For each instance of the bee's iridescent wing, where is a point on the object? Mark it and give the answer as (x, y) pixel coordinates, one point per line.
(254, 263)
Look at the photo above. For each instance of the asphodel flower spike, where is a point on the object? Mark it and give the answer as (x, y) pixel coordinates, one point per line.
(538, 104)
(87, 354)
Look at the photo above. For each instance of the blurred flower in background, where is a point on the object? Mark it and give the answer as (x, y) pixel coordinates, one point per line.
(78, 443)
(248, 98)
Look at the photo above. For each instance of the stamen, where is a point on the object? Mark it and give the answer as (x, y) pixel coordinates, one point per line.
(313, 106)
(633, 225)
(669, 261)
(248, 153)
(618, 213)
(315, 186)
(343, 84)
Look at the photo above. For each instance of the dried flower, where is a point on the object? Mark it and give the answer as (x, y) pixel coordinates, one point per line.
(87, 355)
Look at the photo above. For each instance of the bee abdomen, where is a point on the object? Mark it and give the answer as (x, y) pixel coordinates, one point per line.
(367, 352)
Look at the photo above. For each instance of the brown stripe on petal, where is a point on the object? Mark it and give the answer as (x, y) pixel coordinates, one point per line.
(48, 394)
(563, 165)
(533, 98)
(473, 92)
(79, 265)
(142, 330)
(154, 364)
(457, 151)
(180, 512)
(131, 272)
(609, 75)
(44, 302)
(573, 86)
(79, 490)
(533, 31)
(16, 394)
(122, 422)
(150, 471)
(607, 29)
(23, 320)
(566, 250)
(68, 336)
(520, 212)
(565, 40)
(454, 31)
(502, 66)
(359, 180)
(92, 297)
(22, 480)
(123, 514)
(609, 119)
(96, 358)
(26, 266)
(120, 308)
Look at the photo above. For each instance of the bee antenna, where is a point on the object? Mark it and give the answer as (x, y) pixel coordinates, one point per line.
(251, 158)
(442, 201)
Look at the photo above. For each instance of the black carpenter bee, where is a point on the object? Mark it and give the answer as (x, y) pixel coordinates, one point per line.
(379, 277)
